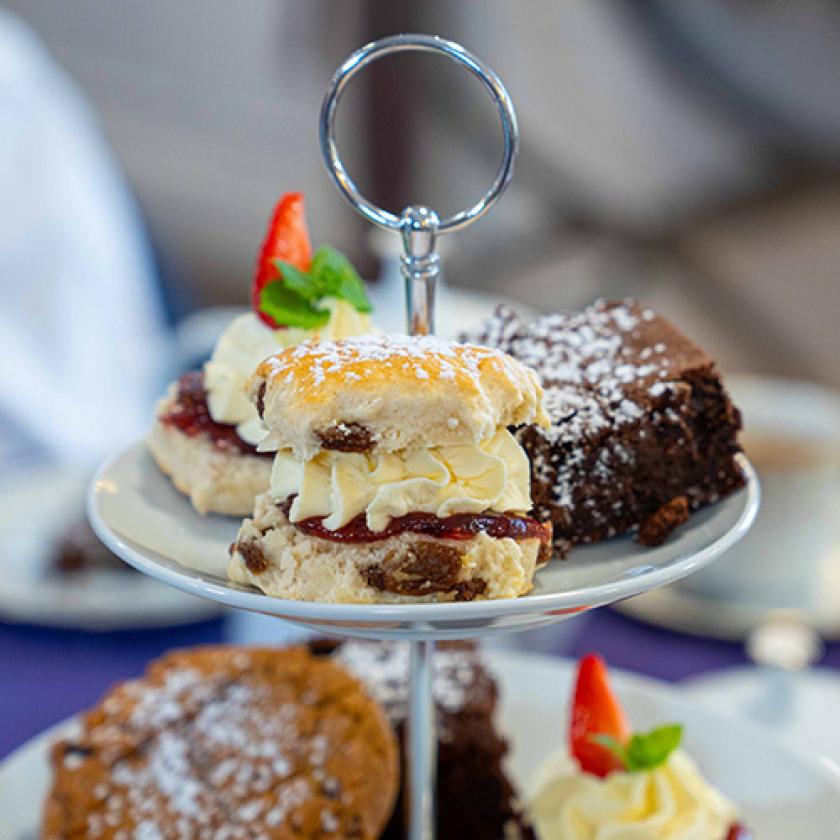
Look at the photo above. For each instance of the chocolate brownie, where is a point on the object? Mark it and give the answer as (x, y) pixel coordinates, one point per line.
(642, 430)
(475, 798)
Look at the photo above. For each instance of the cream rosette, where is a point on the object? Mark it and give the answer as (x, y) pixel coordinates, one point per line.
(492, 475)
(668, 802)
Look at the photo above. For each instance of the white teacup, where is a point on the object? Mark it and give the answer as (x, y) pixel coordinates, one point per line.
(792, 436)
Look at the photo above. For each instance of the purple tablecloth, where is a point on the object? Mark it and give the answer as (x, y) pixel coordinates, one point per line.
(48, 675)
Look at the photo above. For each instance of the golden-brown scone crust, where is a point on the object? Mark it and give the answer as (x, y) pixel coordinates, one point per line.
(228, 742)
(402, 392)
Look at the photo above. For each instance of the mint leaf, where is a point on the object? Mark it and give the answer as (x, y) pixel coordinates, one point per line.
(335, 276)
(291, 300)
(289, 308)
(643, 751)
(305, 285)
(608, 742)
(650, 749)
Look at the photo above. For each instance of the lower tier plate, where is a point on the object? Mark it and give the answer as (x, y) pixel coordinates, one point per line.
(781, 793)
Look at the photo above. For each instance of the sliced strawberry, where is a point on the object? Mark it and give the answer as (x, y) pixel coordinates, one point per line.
(595, 711)
(287, 239)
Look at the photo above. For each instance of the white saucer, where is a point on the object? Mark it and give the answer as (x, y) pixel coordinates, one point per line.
(681, 609)
(39, 503)
(781, 793)
(141, 517)
(802, 707)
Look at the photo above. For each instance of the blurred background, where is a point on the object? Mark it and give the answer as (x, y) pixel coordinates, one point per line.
(684, 153)
(687, 153)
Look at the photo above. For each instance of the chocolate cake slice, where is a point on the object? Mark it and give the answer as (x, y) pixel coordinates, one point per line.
(643, 432)
(475, 798)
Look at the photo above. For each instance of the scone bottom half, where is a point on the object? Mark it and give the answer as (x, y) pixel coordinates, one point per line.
(206, 460)
(406, 566)
(396, 478)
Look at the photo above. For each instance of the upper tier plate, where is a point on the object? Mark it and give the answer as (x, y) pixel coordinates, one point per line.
(135, 510)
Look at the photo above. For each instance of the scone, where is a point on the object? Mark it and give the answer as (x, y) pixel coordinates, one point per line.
(209, 461)
(396, 478)
(228, 742)
(206, 431)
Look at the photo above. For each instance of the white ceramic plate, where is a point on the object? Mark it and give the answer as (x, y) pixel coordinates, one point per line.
(801, 706)
(781, 793)
(679, 608)
(135, 510)
(37, 505)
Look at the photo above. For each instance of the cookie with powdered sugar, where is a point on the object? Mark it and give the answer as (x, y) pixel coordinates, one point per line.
(227, 742)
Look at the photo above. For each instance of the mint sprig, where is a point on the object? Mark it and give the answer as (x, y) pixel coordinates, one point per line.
(289, 309)
(337, 278)
(292, 300)
(644, 750)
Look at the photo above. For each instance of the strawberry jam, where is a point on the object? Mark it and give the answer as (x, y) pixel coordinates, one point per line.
(739, 832)
(459, 526)
(191, 416)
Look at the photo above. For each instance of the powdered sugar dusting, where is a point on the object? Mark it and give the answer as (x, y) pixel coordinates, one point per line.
(425, 357)
(384, 668)
(597, 374)
(205, 756)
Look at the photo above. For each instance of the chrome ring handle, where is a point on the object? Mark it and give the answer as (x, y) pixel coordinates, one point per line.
(416, 43)
(419, 226)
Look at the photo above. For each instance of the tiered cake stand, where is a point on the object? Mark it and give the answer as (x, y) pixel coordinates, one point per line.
(138, 514)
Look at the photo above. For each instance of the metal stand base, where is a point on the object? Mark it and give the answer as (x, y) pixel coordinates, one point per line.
(421, 752)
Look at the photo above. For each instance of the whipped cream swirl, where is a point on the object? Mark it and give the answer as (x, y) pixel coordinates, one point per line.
(245, 343)
(444, 480)
(671, 801)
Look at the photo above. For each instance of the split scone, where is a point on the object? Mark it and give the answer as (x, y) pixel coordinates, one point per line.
(396, 477)
(206, 431)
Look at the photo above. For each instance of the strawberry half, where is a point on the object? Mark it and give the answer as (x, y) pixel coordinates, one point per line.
(595, 711)
(287, 239)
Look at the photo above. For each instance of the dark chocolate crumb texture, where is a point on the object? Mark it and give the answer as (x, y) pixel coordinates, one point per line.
(641, 425)
(475, 798)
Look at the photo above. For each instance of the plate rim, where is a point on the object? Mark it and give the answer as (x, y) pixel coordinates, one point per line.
(556, 605)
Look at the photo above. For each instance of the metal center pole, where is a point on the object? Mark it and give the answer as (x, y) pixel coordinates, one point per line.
(421, 755)
(420, 265)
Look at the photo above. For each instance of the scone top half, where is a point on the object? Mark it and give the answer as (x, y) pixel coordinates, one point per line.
(391, 425)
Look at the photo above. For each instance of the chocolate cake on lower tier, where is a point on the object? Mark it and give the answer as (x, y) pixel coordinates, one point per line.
(642, 431)
(475, 799)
